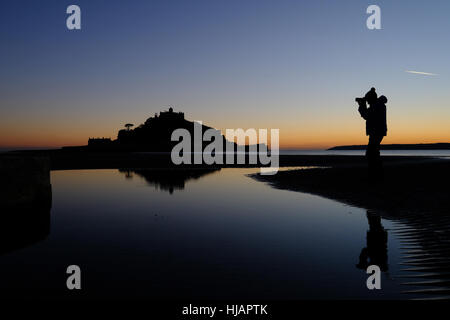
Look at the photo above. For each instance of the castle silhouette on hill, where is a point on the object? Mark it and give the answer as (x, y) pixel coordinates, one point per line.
(154, 135)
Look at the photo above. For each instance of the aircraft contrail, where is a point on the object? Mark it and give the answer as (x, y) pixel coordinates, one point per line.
(422, 73)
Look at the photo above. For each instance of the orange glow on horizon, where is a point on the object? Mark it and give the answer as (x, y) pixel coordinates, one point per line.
(299, 141)
(312, 132)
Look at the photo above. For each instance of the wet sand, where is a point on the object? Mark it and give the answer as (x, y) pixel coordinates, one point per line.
(410, 185)
(415, 192)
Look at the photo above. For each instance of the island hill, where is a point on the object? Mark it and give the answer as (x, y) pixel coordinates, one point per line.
(417, 146)
(154, 135)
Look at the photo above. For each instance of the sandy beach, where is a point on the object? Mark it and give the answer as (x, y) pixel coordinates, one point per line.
(410, 185)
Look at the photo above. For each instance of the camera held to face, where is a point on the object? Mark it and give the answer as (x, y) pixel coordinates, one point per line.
(361, 101)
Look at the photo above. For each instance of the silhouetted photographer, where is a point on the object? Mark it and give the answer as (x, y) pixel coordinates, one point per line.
(376, 129)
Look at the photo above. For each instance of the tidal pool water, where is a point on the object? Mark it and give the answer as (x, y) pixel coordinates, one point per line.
(200, 234)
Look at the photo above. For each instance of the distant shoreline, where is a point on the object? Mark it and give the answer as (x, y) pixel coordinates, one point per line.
(415, 146)
(441, 146)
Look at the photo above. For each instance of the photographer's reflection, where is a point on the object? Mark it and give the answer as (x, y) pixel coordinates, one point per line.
(375, 252)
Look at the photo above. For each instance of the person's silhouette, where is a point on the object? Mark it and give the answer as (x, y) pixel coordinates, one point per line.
(376, 129)
(375, 252)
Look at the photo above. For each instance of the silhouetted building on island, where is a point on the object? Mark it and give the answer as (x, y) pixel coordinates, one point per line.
(154, 135)
(170, 115)
(99, 142)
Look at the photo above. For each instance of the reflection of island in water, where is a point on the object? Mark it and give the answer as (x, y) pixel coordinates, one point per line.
(168, 179)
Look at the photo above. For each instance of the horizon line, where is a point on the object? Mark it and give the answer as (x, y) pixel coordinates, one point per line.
(24, 148)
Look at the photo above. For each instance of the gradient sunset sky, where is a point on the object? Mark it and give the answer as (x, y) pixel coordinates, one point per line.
(293, 65)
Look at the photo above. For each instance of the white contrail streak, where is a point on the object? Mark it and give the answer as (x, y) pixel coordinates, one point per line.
(422, 73)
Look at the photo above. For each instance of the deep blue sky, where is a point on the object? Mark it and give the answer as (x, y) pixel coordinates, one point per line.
(293, 65)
